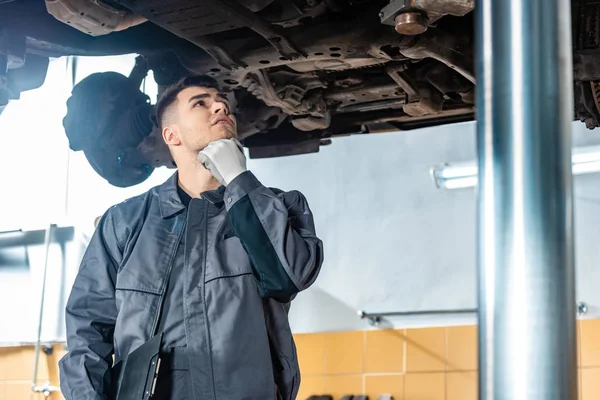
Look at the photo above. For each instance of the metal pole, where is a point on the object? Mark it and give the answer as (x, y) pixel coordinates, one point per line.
(364, 314)
(525, 251)
(43, 295)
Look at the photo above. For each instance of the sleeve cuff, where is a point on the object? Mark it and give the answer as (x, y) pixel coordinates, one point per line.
(240, 187)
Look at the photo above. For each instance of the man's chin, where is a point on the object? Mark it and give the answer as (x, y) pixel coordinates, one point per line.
(225, 132)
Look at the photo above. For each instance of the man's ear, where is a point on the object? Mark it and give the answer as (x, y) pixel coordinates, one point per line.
(170, 136)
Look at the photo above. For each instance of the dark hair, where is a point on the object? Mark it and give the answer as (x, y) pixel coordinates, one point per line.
(169, 96)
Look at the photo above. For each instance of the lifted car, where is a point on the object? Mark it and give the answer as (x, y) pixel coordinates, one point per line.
(301, 71)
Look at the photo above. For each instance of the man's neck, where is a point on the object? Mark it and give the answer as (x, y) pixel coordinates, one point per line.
(195, 179)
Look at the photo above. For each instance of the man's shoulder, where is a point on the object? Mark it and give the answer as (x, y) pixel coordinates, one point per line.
(275, 190)
(133, 205)
(291, 198)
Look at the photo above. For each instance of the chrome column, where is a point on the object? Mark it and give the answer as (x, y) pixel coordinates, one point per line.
(527, 311)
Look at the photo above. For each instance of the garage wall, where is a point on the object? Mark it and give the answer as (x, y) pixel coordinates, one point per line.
(394, 242)
(431, 363)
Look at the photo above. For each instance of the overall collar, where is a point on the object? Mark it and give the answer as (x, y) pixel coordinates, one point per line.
(170, 204)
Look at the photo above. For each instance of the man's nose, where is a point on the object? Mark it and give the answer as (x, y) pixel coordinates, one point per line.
(219, 107)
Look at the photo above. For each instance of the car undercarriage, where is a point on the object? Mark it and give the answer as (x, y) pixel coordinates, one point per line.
(301, 71)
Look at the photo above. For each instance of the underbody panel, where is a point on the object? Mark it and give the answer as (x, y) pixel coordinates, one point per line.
(302, 71)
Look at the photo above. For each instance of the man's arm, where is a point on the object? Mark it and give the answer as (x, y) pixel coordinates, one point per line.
(278, 233)
(90, 318)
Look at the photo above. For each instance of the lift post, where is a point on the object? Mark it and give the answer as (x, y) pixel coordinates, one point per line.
(527, 311)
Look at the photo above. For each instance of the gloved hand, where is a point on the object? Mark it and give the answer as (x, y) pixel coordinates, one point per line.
(225, 159)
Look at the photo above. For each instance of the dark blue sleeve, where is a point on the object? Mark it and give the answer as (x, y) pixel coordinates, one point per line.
(90, 319)
(278, 233)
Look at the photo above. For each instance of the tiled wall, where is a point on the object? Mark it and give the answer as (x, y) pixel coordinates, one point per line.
(16, 372)
(423, 364)
(410, 364)
(431, 363)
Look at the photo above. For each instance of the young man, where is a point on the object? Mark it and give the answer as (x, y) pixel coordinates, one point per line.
(211, 259)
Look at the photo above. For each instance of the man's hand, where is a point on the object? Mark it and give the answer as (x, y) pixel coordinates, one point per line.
(224, 159)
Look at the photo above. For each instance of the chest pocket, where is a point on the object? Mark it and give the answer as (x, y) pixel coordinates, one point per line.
(146, 268)
(227, 259)
(132, 280)
(149, 254)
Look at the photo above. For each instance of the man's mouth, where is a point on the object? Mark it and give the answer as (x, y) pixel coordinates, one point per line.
(223, 121)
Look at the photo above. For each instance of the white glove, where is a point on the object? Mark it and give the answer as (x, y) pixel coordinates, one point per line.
(225, 159)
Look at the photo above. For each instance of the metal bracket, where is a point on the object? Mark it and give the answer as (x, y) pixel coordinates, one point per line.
(433, 9)
(46, 389)
(398, 74)
(388, 13)
(245, 17)
(374, 320)
(12, 56)
(582, 308)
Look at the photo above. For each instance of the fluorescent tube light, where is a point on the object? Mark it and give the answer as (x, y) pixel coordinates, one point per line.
(585, 160)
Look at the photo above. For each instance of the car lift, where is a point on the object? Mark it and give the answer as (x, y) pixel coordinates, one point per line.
(527, 311)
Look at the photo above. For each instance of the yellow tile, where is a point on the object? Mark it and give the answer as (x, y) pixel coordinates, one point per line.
(20, 391)
(590, 384)
(56, 396)
(375, 386)
(344, 353)
(578, 343)
(425, 386)
(462, 348)
(384, 351)
(426, 350)
(461, 386)
(311, 353)
(311, 386)
(579, 389)
(60, 351)
(590, 345)
(52, 365)
(16, 364)
(340, 386)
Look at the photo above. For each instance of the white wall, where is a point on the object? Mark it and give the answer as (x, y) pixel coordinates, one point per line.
(393, 242)
(44, 182)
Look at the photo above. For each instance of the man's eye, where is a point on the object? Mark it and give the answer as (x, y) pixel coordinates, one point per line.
(199, 103)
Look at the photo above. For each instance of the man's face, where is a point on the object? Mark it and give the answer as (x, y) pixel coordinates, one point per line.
(203, 116)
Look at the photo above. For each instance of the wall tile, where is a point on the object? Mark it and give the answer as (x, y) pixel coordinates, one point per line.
(426, 350)
(578, 343)
(375, 386)
(339, 386)
(344, 353)
(311, 353)
(579, 384)
(590, 345)
(425, 386)
(16, 363)
(590, 384)
(20, 391)
(57, 396)
(311, 386)
(461, 386)
(384, 351)
(462, 348)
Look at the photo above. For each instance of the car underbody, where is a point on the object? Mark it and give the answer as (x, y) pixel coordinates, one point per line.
(301, 71)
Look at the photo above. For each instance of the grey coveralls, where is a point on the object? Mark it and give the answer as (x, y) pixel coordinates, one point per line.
(222, 270)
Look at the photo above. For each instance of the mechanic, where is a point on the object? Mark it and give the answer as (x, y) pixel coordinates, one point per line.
(211, 259)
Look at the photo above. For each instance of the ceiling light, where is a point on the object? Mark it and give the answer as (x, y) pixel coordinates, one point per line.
(585, 160)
